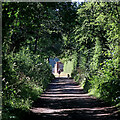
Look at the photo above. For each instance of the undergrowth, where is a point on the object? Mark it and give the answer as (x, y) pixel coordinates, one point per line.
(25, 77)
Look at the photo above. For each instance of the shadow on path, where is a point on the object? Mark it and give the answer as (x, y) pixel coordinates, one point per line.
(65, 100)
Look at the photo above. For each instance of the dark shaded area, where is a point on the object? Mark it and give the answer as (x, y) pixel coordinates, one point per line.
(65, 100)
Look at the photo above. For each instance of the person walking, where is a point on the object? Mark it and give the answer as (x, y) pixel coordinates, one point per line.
(59, 71)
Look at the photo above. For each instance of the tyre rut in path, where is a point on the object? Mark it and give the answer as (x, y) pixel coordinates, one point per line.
(65, 100)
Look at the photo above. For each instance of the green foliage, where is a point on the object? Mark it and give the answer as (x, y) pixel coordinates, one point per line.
(25, 77)
(31, 35)
(68, 66)
(87, 34)
(97, 46)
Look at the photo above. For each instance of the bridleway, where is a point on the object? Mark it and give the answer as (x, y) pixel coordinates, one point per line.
(66, 100)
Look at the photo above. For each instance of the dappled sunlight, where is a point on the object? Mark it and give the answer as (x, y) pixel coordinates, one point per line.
(65, 95)
(88, 110)
(66, 99)
(62, 75)
(45, 45)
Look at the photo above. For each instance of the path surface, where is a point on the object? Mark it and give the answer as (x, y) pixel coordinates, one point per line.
(65, 100)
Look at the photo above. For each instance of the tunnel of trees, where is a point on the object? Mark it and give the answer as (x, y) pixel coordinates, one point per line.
(32, 33)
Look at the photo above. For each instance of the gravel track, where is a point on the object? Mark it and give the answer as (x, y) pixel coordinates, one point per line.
(66, 100)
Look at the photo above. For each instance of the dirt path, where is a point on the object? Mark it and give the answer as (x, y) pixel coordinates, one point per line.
(65, 100)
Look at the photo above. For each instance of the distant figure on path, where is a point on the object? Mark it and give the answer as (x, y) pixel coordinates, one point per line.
(68, 76)
(59, 71)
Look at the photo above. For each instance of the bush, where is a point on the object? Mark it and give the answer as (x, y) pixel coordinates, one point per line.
(25, 77)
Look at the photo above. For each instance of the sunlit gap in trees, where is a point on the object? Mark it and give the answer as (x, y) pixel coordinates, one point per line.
(79, 1)
(65, 67)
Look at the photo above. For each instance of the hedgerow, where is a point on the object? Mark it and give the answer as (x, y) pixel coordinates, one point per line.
(25, 77)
